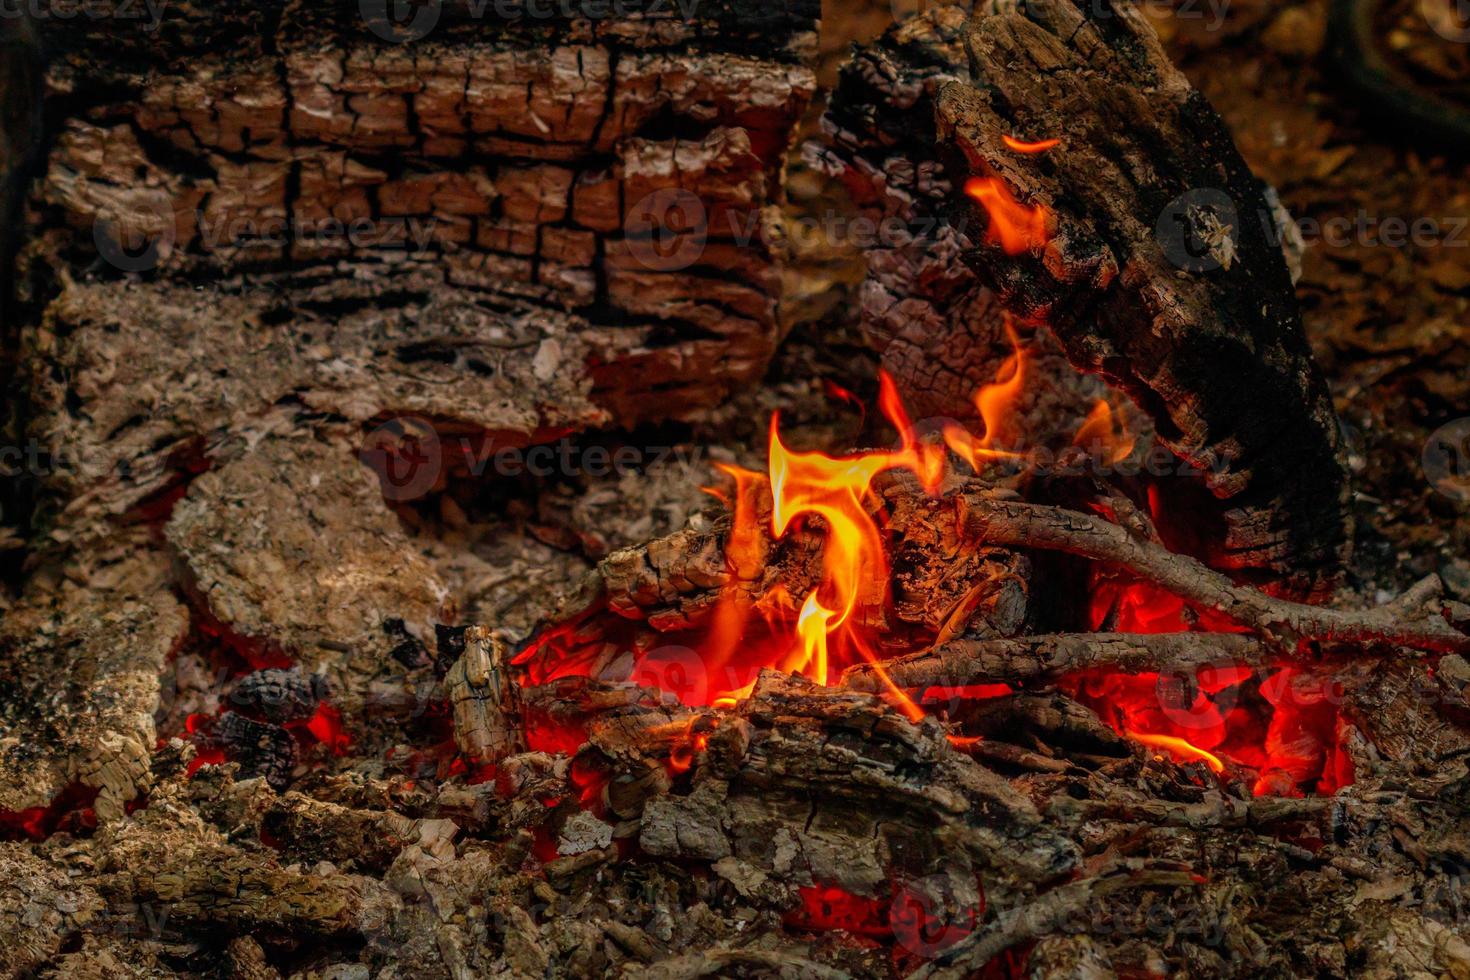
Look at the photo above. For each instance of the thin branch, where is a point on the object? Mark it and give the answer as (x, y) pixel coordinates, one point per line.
(1414, 620)
(1029, 659)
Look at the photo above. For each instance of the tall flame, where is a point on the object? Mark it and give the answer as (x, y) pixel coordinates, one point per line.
(835, 489)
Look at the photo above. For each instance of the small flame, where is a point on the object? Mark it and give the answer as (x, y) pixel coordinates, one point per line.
(1179, 748)
(1040, 146)
(1015, 227)
(996, 403)
(1105, 433)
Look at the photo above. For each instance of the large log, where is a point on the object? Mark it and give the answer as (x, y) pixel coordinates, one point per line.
(1160, 269)
(566, 214)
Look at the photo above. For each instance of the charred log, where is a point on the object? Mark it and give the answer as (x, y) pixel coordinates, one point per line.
(1202, 331)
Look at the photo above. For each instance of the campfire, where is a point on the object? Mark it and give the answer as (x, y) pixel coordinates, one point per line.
(470, 529)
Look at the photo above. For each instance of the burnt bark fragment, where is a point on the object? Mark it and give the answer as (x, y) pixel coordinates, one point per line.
(260, 747)
(277, 696)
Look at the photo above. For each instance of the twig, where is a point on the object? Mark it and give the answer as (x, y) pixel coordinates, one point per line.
(1416, 619)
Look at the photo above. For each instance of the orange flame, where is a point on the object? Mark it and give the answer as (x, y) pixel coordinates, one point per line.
(1015, 227)
(1040, 146)
(834, 489)
(1105, 433)
(996, 404)
(1179, 748)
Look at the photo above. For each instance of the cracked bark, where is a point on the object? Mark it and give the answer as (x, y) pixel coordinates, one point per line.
(569, 217)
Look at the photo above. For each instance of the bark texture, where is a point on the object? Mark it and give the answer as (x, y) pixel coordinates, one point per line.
(568, 215)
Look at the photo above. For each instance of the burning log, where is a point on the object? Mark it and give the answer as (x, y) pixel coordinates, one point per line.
(1231, 387)
(678, 589)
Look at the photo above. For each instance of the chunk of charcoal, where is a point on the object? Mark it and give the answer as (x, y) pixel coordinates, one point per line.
(261, 748)
(277, 695)
(450, 643)
(409, 651)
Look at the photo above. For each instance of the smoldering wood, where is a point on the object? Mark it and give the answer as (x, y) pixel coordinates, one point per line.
(1186, 334)
(939, 331)
(672, 841)
(912, 121)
